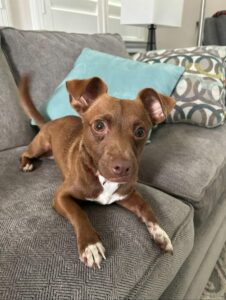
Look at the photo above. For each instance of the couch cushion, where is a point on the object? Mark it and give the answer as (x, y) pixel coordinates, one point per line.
(188, 162)
(214, 31)
(49, 56)
(38, 248)
(14, 125)
(200, 92)
(192, 278)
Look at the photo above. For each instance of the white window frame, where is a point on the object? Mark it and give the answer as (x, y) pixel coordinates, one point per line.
(39, 9)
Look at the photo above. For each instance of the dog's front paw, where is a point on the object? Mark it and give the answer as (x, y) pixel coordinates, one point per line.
(26, 164)
(160, 237)
(93, 254)
(27, 168)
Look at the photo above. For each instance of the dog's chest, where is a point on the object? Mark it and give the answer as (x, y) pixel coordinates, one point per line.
(108, 194)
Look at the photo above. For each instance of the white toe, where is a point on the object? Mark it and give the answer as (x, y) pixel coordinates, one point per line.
(101, 249)
(28, 167)
(89, 257)
(93, 255)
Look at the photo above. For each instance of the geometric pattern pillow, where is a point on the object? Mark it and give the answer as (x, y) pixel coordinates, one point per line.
(221, 51)
(200, 92)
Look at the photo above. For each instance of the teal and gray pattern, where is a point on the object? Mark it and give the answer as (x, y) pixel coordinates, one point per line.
(200, 92)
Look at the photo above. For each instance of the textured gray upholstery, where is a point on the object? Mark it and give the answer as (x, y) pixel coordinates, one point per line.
(194, 274)
(14, 125)
(38, 247)
(189, 162)
(38, 256)
(215, 31)
(49, 56)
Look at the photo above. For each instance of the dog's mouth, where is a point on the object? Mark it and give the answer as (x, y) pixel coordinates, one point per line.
(119, 180)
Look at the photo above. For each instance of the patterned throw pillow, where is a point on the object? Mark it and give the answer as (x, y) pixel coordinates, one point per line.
(200, 92)
(221, 50)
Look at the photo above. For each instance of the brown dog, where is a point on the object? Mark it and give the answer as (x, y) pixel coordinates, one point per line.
(98, 156)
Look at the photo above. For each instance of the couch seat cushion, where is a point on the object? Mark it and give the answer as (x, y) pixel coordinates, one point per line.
(188, 162)
(39, 258)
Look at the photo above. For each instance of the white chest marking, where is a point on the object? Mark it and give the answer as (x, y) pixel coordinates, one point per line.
(108, 195)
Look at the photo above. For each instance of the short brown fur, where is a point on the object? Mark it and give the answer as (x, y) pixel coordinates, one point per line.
(82, 151)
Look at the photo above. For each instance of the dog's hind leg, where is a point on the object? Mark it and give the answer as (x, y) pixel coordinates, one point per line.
(39, 146)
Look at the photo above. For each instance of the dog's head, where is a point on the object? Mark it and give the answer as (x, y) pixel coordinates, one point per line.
(115, 131)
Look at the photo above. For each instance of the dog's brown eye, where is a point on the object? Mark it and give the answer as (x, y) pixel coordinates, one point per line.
(99, 125)
(139, 132)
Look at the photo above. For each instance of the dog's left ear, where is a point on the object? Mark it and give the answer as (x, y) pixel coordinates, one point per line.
(157, 105)
(84, 92)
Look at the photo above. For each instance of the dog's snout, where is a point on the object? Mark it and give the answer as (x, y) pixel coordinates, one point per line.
(121, 167)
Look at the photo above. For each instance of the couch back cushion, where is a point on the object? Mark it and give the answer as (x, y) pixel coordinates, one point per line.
(49, 56)
(15, 127)
(188, 162)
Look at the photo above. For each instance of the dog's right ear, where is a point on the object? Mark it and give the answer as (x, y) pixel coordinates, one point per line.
(84, 92)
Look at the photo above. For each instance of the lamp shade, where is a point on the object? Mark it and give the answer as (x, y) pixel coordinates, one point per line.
(146, 12)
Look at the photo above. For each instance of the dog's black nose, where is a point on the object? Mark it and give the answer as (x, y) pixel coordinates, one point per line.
(121, 167)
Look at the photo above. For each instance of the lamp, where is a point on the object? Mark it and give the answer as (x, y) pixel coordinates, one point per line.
(151, 13)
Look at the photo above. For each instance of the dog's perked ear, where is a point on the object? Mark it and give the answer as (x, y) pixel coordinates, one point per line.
(84, 92)
(157, 105)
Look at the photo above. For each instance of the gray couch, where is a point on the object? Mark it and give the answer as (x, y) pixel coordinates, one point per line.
(215, 31)
(182, 175)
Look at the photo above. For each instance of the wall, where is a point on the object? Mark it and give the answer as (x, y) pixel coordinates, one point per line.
(19, 13)
(187, 34)
(213, 6)
(184, 36)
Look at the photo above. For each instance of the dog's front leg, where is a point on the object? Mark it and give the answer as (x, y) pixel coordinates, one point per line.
(90, 248)
(136, 204)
